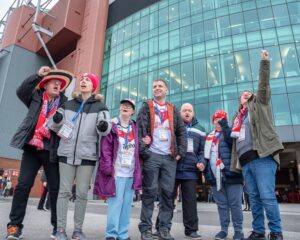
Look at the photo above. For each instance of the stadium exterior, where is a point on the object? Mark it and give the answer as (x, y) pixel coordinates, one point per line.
(207, 50)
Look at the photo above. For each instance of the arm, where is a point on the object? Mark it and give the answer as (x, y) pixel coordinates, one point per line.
(226, 131)
(264, 90)
(143, 119)
(180, 134)
(106, 153)
(103, 123)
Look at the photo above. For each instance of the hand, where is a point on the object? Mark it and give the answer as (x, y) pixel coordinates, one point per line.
(57, 117)
(264, 55)
(44, 71)
(200, 166)
(102, 126)
(178, 157)
(146, 140)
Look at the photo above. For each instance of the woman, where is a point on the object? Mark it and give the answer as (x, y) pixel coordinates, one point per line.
(119, 173)
(79, 123)
(227, 186)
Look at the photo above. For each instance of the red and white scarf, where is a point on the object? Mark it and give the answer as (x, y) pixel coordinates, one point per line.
(238, 121)
(41, 130)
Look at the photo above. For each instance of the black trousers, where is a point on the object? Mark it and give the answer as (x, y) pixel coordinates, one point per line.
(32, 160)
(43, 199)
(189, 203)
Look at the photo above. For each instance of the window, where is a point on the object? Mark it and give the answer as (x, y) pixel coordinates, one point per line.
(223, 25)
(282, 114)
(290, 60)
(266, 17)
(184, 6)
(213, 71)
(185, 36)
(210, 29)
(243, 71)
(228, 69)
(295, 107)
(197, 32)
(200, 73)
(251, 20)
(173, 12)
(187, 76)
(237, 23)
(294, 10)
(143, 87)
(175, 79)
(281, 15)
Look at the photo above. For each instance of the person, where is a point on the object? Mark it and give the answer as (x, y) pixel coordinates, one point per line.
(256, 150)
(227, 186)
(44, 194)
(119, 172)
(79, 123)
(210, 196)
(162, 143)
(42, 94)
(7, 188)
(73, 197)
(187, 173)
(247, 200)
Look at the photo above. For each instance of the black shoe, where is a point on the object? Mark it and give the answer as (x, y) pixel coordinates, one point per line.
(164, 234)
(147, 235)
(193, 235)
(256, 236)
(14, 233)
(275, 236)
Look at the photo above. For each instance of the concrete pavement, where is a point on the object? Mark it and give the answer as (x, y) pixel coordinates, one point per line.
(37, 223)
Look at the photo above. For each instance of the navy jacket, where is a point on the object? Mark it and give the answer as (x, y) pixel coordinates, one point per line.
(186, 167)
(225, 146)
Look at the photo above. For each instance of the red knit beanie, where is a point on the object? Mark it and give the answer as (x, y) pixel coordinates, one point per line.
(220, 114)
(94, 79)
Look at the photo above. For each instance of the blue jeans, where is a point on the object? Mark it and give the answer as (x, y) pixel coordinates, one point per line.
(229, 201)
(259, 176)
(119, 209)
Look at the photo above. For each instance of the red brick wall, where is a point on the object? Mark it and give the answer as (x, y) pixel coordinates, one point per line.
(6, 163)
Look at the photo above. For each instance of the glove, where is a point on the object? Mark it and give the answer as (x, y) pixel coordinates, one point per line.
(57, 117)
(102, 126)
(223, 122)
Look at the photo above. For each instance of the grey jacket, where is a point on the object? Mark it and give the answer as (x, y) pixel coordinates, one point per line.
(84, 141)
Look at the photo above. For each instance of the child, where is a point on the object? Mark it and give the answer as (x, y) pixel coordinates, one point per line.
(119, 173)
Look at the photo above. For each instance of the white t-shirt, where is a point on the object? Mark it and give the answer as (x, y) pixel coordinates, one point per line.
(125, 159)
(161, 143)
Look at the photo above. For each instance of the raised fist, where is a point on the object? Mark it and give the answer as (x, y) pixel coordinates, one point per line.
(44, 70)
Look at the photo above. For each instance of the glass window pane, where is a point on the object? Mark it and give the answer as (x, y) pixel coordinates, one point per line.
(225, 45)
(117, 95)
(175, 80)
(163, 16)
(285, 35)
(293, 84)
(201, 96)
(185, 36)
(239, 42)
(213, 71)
(231, 107)
(269, 37)
(294, 10)
(237, 23)
(223, 25)
(184, 6)
(210, 30)
(281, 15)
(187, 76)
(163, 43)
(143, 87)
(266, 17)
(144, 49)
(245, 86)
(202, 114)
(282, 114)
(174, 56)
(145, 24)
(230, 92)
(134, 53)
(196, 7)
(295, 107)
(109, 95)
(188, 97)
(186, 53)
(174, 40)
(215, 94)
(243, 71)
(173, 12)
(227, 69)
(199, 50)
(197, 32)
(251, 20)
(211, 47)
(176, 100)
(200, 73)
(153, 46)
(277, 86)
(290, 60)
(254, 39)
(153, 20)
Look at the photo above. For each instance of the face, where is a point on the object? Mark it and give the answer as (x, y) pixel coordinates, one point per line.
(245, 97)
(86, 85)
(160, 90)
(187, 112)
(126, 110)
(216, 123)
(52, 87)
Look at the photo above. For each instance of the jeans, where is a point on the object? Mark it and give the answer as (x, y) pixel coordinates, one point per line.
(229, 202)
(68, 173)
(31, 162)
(158, 173)
(119, 208)
(259, 176)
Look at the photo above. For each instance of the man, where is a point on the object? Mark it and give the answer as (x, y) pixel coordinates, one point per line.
(187, 173)
(42, 95)
(162, 144)
(256, 149)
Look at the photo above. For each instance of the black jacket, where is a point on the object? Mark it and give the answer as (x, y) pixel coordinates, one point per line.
(33, 99)
(144, 128)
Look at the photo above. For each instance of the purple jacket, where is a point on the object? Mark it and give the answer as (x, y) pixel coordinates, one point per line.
(105, 185)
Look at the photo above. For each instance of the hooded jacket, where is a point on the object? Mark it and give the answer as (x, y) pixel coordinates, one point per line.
(84, 140)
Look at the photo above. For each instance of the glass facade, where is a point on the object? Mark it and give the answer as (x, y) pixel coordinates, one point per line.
(208, 51)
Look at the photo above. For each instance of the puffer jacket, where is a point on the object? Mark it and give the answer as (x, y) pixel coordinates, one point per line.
(146, 121)
(84, 140)
(225, 146)
(33, 100)
(186, 167)
(105, 184)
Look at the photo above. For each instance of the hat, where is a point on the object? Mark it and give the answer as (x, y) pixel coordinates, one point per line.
(94, 79)
(63, 76)
(220, 114)
(128, 100)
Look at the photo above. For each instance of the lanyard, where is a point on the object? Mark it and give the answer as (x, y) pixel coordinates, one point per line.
(157, 112)
(53, 105)
(126, 137)
(78, 112)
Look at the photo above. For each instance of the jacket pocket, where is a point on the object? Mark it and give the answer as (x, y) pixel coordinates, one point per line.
(88, 147)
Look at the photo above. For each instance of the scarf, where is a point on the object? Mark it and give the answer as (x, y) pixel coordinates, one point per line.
(41, 130)
(238, 121)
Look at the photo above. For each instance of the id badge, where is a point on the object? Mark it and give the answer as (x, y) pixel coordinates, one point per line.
(126, 159)
(242, 133)
(163, 134)
(190, 146)
(65, 131)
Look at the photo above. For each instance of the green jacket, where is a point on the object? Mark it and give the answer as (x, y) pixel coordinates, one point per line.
(265, 139)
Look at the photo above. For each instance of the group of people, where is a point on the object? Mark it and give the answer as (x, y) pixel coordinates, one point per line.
(162, 149)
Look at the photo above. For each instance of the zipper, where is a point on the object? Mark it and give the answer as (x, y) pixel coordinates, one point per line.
(77, 135)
